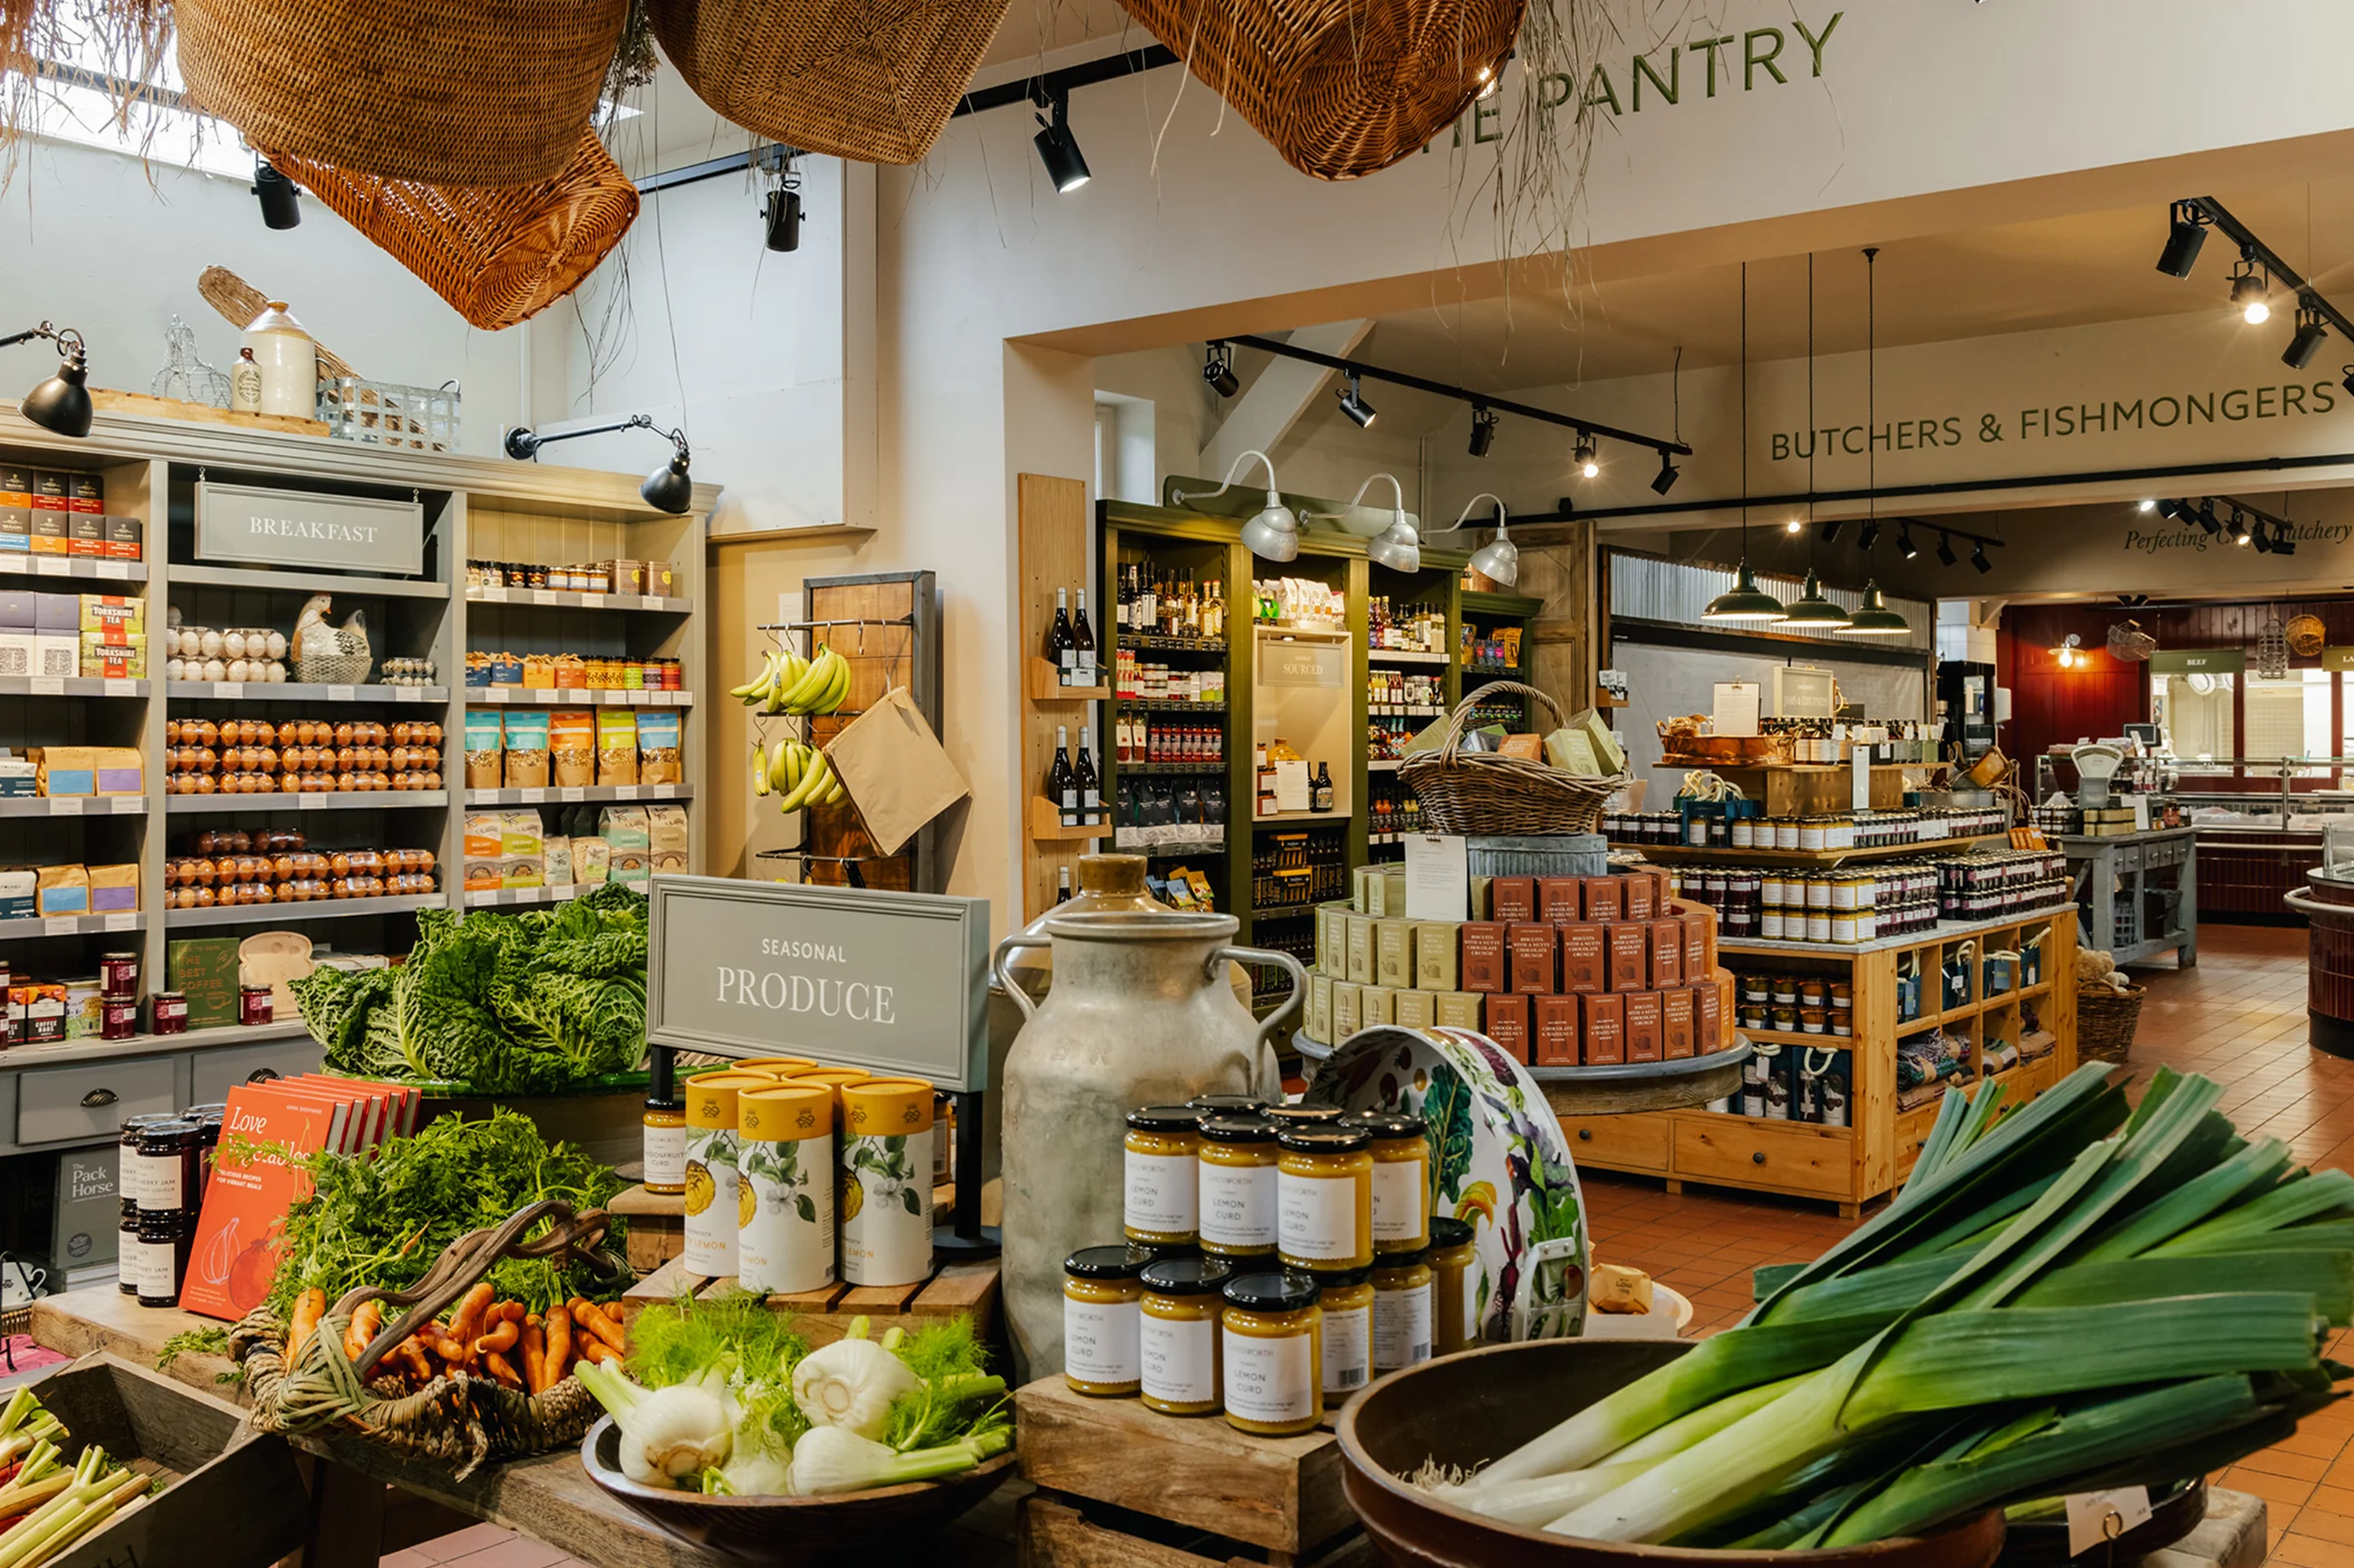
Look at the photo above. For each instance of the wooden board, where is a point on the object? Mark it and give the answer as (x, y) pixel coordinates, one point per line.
(1280, 1493)
(1054, 534)
(657, 1225)
(824, 1315)
(173, 408)
(1054, 1533)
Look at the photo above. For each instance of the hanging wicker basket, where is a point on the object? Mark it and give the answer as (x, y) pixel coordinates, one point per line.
(498, 254)
(2106, 1019)
(1479, 792)
(458, 1420)
(1340, 87)
(452, 92)
(875, 82)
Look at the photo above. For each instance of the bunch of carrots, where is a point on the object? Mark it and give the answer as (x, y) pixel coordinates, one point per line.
(521, 1350)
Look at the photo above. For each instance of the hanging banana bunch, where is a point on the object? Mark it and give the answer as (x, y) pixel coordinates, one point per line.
(789, 683)
(797, 774)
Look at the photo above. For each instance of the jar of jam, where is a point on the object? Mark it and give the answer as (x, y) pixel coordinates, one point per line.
(118, 1017)
(1273, 1341)
(1324, 1197)
(1103, 1297)
(1454, 1285)
(1346, 1299)
(169, 1010)
(1238, 1155)
(1401, 1181)
(131, 1174)
(209, 1120)
(1162, 1199)
(118, 975)
(665, 1145)
(1402, 1310)
(170, 1165)
(130, 1257)
(254, 1005)
(1179, 1366)
(164, 1239)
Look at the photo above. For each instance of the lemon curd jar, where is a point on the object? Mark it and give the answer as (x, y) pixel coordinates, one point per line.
(1162, 1174)
(1324, 1197)
(1227, 1104)
(1238, 1157)
(1178, 1356)
(1272, 1340)
(1295, 1115)
(1346, 1299)
(784, 1135)
(1401, 1180)
(717, 1201)
(1102, 1300)
(665, 1145)
(1402, 1311)
(1454, 1285)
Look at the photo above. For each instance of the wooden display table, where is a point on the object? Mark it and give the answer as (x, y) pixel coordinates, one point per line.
(2158, 868)
(824, 1315)
(1854, 1164)
(1120, 1485)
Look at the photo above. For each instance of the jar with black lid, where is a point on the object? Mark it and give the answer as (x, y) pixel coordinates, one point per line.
(165, 1240)
(128, 1253)
(130, 1172)
(170, 1170)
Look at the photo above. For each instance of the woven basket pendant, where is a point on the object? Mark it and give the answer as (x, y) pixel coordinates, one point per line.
(1341, 88)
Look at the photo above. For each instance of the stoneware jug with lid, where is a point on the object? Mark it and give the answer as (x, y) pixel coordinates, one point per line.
(1140, 1013)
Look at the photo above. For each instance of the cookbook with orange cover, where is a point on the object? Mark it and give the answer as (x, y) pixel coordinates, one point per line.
(244, 1214)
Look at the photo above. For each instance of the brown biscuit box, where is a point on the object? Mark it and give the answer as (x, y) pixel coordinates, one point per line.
(1676, 1016)
(1553, 1023)
(1585, 958)
(1531, 947)
(1667, 954)
(1601, 898)
(1512, 900)
(1643, 1019)
(1560, 900)
(1602, 1028)
(1637, 896)
(1708, 1020)
(1700, 944)
(1630, 955)
(1482, 963)
(1508, 1025)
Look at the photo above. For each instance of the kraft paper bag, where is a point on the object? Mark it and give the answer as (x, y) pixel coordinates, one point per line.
(896, 770)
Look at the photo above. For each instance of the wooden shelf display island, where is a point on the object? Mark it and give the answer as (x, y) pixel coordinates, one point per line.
(1995, 988)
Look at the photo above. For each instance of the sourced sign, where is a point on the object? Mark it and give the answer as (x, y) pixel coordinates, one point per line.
(891, 983)
(297, 528)
(2196, 661)
(1284, 663)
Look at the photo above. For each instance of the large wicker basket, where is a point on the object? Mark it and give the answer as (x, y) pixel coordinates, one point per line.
(1479, 792)
(1340, 87)
(458, 1420)
(871, 83)
(2106, 1019)
(500, 255)
(452, 92)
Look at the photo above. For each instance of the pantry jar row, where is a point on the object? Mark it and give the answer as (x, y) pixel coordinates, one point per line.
(1811, 835)
(1835, 907)
(1795, 1005)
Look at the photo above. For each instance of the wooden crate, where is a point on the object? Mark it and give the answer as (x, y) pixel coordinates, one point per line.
(1119, 1484)
(657, 1225)
(824, 1315)
(1811, 789)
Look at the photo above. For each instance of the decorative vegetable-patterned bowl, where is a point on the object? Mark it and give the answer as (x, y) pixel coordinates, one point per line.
(1496, 1158)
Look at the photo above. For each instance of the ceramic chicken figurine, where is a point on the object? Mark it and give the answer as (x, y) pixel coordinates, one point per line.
(352, 635)
(314, 639)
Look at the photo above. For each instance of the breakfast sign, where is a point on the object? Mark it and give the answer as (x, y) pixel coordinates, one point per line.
(895, 983)
(301, 528)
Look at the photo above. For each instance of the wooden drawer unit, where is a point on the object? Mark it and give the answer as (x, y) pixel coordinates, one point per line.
(217, 1072)
(1745, 1151)
(1637, 1141)
(90, 1102)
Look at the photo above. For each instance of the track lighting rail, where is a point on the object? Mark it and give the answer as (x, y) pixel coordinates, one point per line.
(2191, 215)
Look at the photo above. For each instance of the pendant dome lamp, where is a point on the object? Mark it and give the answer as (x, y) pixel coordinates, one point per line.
(1873, 619)
(1744, 603)
(1273, 532)
(1812, 610)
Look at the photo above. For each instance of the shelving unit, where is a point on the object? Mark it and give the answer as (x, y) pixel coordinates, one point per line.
(485, 507)
(1851, 1165)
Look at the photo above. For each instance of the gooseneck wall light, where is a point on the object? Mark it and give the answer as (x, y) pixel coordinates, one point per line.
(1391, 540)
(668, 489)
(1273, 532)
(62, 403)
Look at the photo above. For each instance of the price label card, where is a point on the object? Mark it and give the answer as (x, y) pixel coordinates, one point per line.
(120, 571)
(48, 685)
(682, 699)
(117, 686)
(129, 806)
(544, 596)
(342, 693)
(228, 689)
(59, 925)
(497, 694)
(50, 566)
(649, 601)
(409, 694)
(311, 800)
(532, 798)
(124, 921)
(572, 792)
(2098, 1517)
(66, 806)
(625, 791)
(593, 601)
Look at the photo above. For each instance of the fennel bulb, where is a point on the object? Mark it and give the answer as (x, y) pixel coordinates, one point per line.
(669, 1437)
(835, 1459)
(851, 1383)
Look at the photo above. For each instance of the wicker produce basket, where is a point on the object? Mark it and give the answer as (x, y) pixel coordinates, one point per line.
(334, 670)
(1480, 793)
(2106, 1018)
(459, 1419)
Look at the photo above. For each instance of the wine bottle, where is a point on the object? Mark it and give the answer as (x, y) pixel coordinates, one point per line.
(1320, 792)
(1091, 796)
(1062, 787)
(1062, 884)
(1059, 652)
(1148, 613)
(1119, 610)
(1083, 644)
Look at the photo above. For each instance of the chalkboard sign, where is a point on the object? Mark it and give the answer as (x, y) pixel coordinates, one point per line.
(888, 982)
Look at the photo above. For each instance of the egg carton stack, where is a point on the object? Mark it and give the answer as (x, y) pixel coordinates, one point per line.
(252, 655)
(252, 756)
(283, 871)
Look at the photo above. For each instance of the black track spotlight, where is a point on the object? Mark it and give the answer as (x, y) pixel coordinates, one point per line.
(1945, 550)
(2208, 519)
(1218, 371)
(2283, 542)
(62, 403)
(2174, 511)
(2262, 538)
(2251, 292)
(1978, 557)
(1354, 404)
(2347, 377)
(1664, 480)
(1828, 529)
(1870, 537)
(282, 199)
(1586, 456)
(1058, 148)
(2310, 333)
(1483, 430)
(783, 218)
(1904, 542)
(2184, 236)
(2241, 532)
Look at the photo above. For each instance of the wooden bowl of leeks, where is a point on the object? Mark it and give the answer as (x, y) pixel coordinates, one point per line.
(1467, 1411)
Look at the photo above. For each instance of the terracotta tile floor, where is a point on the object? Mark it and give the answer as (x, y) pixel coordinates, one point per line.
(2240, 1018)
